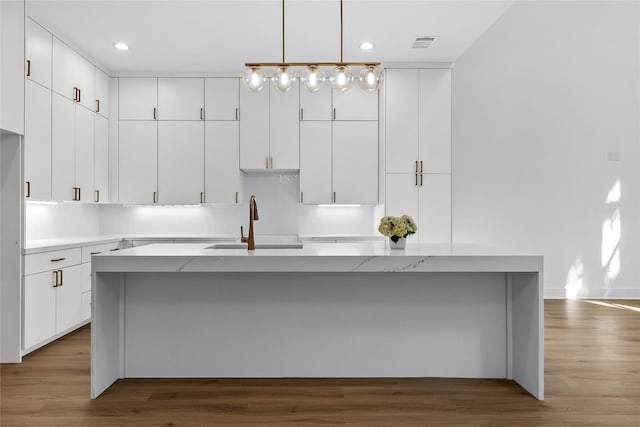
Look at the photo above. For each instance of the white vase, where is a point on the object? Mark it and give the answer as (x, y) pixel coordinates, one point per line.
(400, 244)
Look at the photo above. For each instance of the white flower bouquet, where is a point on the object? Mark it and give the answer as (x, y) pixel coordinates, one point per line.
(396, 227)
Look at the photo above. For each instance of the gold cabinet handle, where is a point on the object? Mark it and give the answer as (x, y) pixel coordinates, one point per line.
(416, 173)
(420, 166)
(237, 114)
(28, 189)
(267, 161)
(57, 259)
(334, 197)
(420, 173)
(75, 94)
(301, 114)
(270, 162)
(75, 194)
(79, 194)
(155, 113)
(334, 114)
(301, 197)
(55, 278)
(95, 253)
(114, 249)
(28, 68)
(61, 278)
(202, 114)
(97, 105)
(202, 197)
(97, 196)
(236, 197)
(155, 197)
(420, 180)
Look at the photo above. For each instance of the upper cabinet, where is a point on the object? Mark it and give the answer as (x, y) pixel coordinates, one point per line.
(180, 99)
(138, 98)
(72, 75)
(435, 120)
(254, 129)
(402, 120)
(101, 92)
(355, 104)
(221, 98)
(38, 53)
(37, 147)
(316, 105)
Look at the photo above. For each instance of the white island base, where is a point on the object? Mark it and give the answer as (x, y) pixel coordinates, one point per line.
(187, 311)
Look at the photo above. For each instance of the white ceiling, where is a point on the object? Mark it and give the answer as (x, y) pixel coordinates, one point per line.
(220, 36)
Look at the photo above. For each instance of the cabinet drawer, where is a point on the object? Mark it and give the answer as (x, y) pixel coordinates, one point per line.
(89, 251)
(36, 263)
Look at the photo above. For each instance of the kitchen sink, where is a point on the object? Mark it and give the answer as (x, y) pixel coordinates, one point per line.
(274, 245)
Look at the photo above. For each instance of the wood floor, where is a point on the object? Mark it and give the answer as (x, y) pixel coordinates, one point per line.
(592, 375)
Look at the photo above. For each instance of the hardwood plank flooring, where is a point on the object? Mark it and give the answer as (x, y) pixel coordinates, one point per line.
(592, 375)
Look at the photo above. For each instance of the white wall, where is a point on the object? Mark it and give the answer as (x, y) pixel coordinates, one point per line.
(545, 143)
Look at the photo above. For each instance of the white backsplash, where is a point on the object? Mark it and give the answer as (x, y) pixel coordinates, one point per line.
(278, 207)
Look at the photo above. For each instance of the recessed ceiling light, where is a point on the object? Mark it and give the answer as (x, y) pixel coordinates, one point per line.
(366, 46)
(121, 46)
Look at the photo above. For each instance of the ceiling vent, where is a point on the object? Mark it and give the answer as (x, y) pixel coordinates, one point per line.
(423, 42)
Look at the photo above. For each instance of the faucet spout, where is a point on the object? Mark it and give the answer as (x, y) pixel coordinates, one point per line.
(253, 216)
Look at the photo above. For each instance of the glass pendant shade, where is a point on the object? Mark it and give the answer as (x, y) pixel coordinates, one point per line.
(341, 79)
(254, 79)
(370, 78)
(283, 78)
(313, 78)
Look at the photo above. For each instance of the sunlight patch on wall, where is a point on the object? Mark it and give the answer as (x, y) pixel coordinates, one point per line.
(615, 194)
(611, 235)
(575, 279)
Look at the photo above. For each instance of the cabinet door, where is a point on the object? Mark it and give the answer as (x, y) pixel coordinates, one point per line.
(86, 306)
(137, 160)
(63, 127)
(254, 129)
(137, 98)
(221, 98)
(39, 308)
(435, 120)
(180, 162)
(222, 162)
(66, 66)
(284, 128)
(101, 92)
(37, 142)
(69, 299)
(38, 53)
(86, 84)
(434, 223)
(101, 159)
(355, 104)
(401, 143)
(180, 99)
(12, 66)
(402, 195)
(355, 162)
(316, 105)
(85, 153)
(315, 162)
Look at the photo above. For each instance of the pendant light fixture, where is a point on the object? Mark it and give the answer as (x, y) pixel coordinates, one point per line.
(313, 78)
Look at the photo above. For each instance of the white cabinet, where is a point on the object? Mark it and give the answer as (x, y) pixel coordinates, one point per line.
(137, 98)
(72, 75)
(180, 99)
(339, 162)
(138, 161)
(84, 150)
(315, 162)
(12, 66)
(180, 162)
(52, 295)
(418, 149)
(316, 105)
(284, 128)
(37, 143)
(221, 98)
(355, 162)
(222, 162)
(254, 129)
(63, 149)
(87, 253)
(38, 53)
(101, 92)
(101, 160)
(355, 104)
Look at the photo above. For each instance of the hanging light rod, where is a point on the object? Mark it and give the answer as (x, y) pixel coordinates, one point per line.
(313, 79)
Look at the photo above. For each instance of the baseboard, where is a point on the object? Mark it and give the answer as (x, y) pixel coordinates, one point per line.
(595, 294)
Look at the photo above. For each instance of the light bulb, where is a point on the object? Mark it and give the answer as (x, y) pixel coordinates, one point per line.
(370, 78)
(283, 78)
(342, 78)
(313, 78)
(254, 79)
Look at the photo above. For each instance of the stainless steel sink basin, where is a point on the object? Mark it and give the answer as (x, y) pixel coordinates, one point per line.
(288, 245)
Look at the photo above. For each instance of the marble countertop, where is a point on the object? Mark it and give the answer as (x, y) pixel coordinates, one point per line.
(317, 257)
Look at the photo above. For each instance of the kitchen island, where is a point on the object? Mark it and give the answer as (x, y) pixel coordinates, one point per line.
(326, 310)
